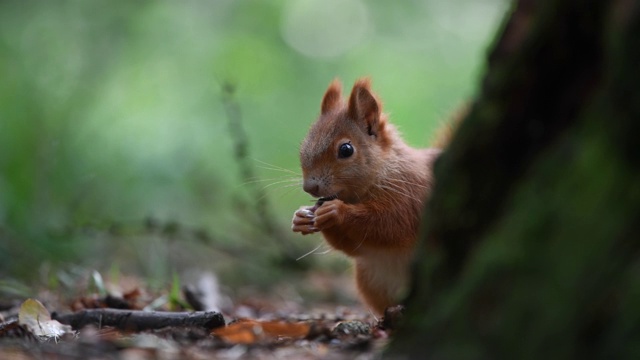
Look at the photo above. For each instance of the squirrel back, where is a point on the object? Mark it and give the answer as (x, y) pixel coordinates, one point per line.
(372, 187)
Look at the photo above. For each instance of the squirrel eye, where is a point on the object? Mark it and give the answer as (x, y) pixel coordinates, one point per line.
(345, 150)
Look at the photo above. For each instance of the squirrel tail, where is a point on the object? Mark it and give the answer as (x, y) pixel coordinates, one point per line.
(445, 132)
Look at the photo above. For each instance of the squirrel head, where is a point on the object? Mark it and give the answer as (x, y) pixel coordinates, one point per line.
(345, 149)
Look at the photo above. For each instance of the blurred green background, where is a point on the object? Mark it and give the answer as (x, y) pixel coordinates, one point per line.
(117, 118)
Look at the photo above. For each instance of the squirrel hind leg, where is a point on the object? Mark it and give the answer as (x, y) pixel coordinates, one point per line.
(378, 299)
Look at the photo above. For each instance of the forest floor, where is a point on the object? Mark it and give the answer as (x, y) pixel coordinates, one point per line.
(133, 322)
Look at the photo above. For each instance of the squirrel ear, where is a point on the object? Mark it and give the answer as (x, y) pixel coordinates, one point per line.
(332, 96)
(363, 105)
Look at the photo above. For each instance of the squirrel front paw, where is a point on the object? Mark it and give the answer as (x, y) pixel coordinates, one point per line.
(303, 221)
(330, 214)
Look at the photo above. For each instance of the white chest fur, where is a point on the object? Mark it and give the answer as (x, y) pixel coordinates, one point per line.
(387, 271)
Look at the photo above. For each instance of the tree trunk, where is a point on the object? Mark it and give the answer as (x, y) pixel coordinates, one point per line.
(531, 238)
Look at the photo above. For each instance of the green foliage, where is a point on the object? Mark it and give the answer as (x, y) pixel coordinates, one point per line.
(114, 143)
(175, 295)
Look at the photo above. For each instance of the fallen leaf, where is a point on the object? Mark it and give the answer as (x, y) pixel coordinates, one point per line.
(37, 319)
(351, 328)
(247, 331)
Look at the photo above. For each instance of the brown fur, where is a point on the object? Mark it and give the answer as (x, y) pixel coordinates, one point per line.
(380, 190)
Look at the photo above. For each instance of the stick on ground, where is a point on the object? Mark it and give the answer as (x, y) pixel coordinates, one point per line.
(136, 320)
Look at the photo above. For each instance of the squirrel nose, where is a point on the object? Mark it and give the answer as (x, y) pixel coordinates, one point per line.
(311, 187)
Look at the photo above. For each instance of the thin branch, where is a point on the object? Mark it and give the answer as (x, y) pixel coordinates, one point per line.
(240, 139)
(136, 320)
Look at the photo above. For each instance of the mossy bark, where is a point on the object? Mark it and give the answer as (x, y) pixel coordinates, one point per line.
(531, 239)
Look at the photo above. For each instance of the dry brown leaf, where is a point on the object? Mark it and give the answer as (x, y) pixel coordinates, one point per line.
(247, 331)
(36, 318)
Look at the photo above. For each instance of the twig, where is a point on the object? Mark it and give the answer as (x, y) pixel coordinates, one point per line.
(241, 154)
(262, 210)
(136, 320)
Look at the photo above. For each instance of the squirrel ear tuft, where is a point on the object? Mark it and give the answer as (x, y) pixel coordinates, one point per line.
(332, 97)
(363, 106)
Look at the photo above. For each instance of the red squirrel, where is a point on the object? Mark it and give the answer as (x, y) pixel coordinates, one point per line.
(371, 187)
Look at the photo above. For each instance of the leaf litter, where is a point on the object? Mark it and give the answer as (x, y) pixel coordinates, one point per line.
(256, 327)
